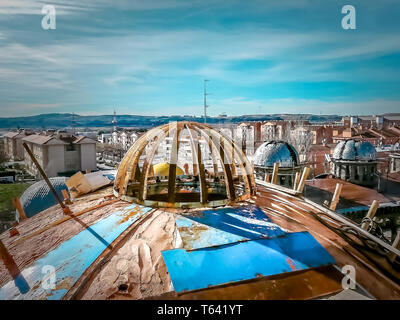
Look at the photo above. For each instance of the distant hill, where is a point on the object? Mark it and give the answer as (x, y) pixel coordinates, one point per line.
(63, 120)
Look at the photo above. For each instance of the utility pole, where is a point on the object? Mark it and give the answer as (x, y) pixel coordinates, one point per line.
(205, 100)
(73, 122)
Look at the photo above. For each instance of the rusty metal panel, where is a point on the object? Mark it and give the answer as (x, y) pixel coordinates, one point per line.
(226, 225)
(72, 257)
(308, 284)
(241, 261)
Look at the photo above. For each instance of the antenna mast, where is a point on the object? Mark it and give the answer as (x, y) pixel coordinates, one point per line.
(73, 122)
(205, 100)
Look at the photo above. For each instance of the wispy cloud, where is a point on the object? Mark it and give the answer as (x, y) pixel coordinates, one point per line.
(151, 54)
(13, 7)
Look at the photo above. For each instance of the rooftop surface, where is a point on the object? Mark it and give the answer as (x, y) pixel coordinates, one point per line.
(119, 250)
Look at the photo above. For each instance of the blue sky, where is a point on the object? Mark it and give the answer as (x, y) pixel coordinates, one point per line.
(150, 57)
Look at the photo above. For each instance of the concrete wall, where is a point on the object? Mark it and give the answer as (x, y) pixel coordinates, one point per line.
(8, 148)
(358, 172)
(72, 157)
(39, 156)
(50, 158)
(88, 156)
(55, 161)
(19, 149)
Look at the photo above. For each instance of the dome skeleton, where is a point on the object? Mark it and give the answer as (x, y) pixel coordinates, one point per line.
(222, 149)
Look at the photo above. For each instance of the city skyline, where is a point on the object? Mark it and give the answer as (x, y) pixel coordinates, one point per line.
(151, 58)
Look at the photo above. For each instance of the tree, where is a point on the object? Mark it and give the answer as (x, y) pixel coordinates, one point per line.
(301, 138)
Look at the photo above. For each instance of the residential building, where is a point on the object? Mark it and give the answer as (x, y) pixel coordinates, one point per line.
(13, 144)
(60, 154)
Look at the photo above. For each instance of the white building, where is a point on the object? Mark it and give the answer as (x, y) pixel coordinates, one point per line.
(272, 131)
(244, 135)
(123, 139)
(13, 144)
(60, 153)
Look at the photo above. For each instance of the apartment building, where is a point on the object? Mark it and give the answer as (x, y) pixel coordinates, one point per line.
(60, 154)
(13, 144)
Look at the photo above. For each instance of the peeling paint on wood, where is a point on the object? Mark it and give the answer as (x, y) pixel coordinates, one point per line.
(73, 256)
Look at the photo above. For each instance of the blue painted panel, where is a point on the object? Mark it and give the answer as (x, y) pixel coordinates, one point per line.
(206, 267)
(227, 225)
(73, 256)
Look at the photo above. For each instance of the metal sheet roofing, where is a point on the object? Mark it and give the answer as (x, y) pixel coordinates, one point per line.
(10, 134)
(354, 150)
(40, 139)
(276, 151)
(244, 261)
(226, 225)
(38, 196)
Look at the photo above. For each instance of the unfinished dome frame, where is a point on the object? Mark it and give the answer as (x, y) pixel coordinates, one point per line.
(235, 181)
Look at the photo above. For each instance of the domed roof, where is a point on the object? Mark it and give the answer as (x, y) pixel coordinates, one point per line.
(276, 151)
(162, 169)
(202, 143)
(354, 150)
(38, 196)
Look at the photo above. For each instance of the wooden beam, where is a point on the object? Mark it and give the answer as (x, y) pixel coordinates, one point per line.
(228, 174)
(194, 141)
(243, 162)
(267, 177)
(371, 214)
(303, 179)
(128, 166)
(18, 206)
(396, 244)
(296, 180)
(173, 164)
(217, 146)
(278, 187)
(335, 198)
(274, 179)
(65, 194)
(13, 269)
(148, 165)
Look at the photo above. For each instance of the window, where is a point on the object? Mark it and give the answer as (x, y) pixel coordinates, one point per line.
(70, 147)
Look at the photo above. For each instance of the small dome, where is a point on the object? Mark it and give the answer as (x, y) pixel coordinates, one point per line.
(162, 169)
(38, 196)
(276, 151)
(354, 150)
